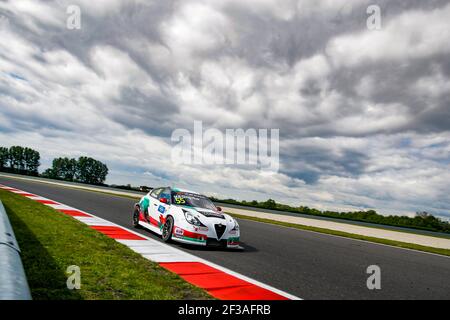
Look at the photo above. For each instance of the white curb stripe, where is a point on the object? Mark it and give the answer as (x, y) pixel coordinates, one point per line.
(19, 191)
(37, 198)
(93, 221)
(158, 252)
(7, 188)
(57, 206)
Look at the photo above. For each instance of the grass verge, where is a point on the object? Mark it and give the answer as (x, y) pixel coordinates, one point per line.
(51, 241)
(394, 243)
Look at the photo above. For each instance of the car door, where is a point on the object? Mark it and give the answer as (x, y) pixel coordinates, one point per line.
(164, 202)
(152, 206)
(158, 206)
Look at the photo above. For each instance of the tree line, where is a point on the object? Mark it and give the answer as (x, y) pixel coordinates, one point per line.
(85, 170)
(422, 220)
(17, 159)
(24, 160)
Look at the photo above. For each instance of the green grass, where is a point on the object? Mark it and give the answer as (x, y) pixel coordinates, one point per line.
(400, 244)
(51, 241)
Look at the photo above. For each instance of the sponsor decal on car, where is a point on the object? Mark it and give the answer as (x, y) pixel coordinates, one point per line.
(201, 229)
(233, 242)
(178, 231)
(188, 235)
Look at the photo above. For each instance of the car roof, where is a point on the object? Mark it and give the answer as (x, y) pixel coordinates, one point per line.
(183, 190)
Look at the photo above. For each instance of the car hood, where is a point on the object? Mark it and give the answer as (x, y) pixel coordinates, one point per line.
(207, 212)
(210, 217)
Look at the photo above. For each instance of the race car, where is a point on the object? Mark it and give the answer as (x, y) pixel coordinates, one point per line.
(187, 217)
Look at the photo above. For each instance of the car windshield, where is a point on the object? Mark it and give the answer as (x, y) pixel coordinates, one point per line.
(192, 200)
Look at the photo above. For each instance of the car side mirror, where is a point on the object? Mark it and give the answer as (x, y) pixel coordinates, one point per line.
(219, 208)
(163, 200)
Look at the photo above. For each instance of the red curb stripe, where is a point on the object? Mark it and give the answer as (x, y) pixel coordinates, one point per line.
(218, 283)
(27, 194)
(117, 233)
(45, 201)
(250, 292)
(74, 213)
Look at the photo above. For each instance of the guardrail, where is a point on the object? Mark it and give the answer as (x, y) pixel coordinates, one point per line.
(13, 282)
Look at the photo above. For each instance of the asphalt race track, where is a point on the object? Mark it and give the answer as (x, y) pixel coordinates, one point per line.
(306, 264)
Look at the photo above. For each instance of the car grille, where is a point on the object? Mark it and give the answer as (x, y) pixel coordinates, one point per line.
(216, 243)
(220, 229)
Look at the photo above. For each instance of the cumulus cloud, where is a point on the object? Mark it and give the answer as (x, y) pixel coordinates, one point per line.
(363, 115)
(409, 35)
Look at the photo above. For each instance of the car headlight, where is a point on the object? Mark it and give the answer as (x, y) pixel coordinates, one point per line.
(236, 225)
(192, 219)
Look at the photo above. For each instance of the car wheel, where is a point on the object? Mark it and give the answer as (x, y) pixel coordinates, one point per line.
(167, 229)
(136, 213)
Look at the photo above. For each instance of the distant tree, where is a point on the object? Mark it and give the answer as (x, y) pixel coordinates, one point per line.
(16, 158)
(49, 173)
(270, 204)
(19, 160)
(85, 169)
(31, 161)
(69, 168)
(422, 214)
(4, 157)
(91, 171)
(63, 168)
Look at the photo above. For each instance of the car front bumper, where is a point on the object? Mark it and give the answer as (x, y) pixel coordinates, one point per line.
(200, 237)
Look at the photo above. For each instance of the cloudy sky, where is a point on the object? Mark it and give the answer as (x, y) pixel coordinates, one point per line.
(364, 115)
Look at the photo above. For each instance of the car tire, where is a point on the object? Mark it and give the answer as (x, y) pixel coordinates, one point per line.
(167, 229)
(136, 214)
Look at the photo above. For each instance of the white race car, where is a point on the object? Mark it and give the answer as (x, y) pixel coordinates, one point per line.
(186, 217)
